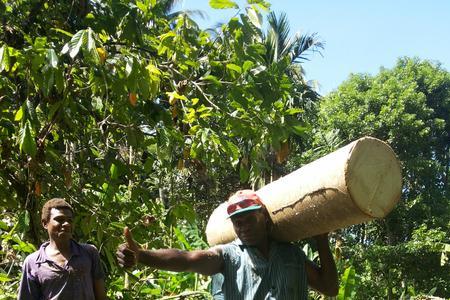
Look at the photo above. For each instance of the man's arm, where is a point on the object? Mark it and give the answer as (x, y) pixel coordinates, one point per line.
(324, 278)
(29, 288)
(205, 262)
(98, 276)
(99, 289)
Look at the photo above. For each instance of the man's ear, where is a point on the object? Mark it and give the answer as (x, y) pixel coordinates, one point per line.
(44, 223)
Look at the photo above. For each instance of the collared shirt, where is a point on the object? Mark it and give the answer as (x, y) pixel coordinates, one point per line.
(42, 278)
(247, 275)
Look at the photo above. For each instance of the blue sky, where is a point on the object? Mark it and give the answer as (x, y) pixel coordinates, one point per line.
(360, 36)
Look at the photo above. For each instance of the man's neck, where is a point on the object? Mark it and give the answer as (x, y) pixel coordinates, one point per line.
(264, 248)
(62, 247)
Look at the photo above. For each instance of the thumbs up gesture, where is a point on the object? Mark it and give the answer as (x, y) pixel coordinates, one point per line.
(128, 253)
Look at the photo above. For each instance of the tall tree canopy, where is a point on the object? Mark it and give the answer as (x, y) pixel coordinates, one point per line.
(409, 107)
(134, 115)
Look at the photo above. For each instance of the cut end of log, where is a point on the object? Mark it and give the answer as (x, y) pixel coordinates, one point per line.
(373, 177)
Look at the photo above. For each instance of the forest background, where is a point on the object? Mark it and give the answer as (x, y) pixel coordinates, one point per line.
(138, 117)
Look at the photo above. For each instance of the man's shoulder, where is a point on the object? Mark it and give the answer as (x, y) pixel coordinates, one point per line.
(231, 249)
(38, 254)
(88, 247)
(235, 246)
(289, 248)
(85, 250)
(31, 258)
(286, 245)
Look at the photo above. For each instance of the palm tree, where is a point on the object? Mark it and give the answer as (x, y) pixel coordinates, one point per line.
(281, 49)
(279, 45)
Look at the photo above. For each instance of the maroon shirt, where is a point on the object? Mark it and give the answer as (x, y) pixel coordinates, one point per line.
(42, 278)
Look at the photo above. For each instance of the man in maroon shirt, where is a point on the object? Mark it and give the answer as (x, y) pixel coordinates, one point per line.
(62, 268)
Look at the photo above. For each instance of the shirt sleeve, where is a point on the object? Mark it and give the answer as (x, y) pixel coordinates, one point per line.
(218, 279)
(29, 286)
(216, 286)
(230, 256)
(301, 255)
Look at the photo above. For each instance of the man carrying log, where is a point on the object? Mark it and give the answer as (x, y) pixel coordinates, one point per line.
(254, 266)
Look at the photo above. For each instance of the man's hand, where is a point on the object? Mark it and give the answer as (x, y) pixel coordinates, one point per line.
(128, 253)
(324, 278)
(321, 238)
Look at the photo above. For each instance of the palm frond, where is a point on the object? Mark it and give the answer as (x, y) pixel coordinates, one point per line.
(191, 13)
(168, 5)
(277, 39)
(305, 43)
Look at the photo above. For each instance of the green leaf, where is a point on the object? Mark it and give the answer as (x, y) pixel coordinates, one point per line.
(445, 254)
(222, 4)
(142, 6)
(293, 111)
(299, 130)
(30, 111)
(27, 144)
(74, 45)
(3, 225)
(23, 222)
(296, 126)
(233, 151)
(264, 5)
(23, 246)
(91, 46)
(114, 171)
(347, 284)
(213, 79)
(4, 277)
(40, 43)
(117, 225)
(97, 103)
(247, 65)
(182, 239)
(234, 68)
(63, 32)
(244, 173)
(53, 109)
(176, 96)
(148, 165)
(59, 80)
(49, 81)
(52, 58)
(254, 17)
(19, 114)
(4, 58)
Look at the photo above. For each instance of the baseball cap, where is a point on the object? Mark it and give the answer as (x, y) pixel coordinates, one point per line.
(242, 201)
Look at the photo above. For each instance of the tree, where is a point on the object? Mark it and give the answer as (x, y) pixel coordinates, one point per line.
(132, 114)
(409, 107)
(287, 53)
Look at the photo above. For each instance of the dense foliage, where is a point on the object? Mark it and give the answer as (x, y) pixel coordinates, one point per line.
(140, 118)
(409, 107)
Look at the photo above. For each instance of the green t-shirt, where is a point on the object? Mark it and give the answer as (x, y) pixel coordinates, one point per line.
(248, 275)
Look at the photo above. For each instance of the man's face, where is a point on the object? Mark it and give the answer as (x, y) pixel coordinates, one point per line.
(250, 227)
(60, 224)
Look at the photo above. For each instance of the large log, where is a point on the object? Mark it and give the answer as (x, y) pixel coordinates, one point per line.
(357, 183)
